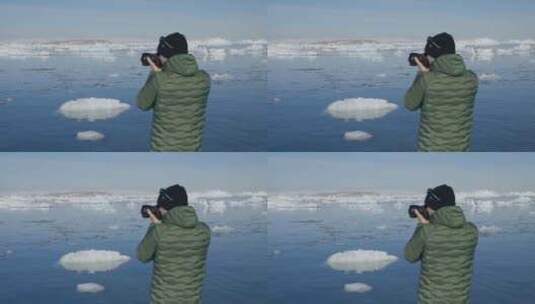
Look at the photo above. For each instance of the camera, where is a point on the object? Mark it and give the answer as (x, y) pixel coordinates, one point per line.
(421, 209)
(154, 209)
(153, 57)
(421, 57)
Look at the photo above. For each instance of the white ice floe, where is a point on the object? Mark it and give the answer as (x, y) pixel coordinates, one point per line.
(489, 230)
(89, 136)
(489, 77)
(357, 136)
(93, 108)
(93, 260)
(360, 260)
(222, 77)
(89, 288)
(222, 229)
(360, 109)
(357, 287)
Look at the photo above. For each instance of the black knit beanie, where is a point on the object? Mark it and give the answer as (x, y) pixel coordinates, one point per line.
(439, 197)
(172, 45)
(441, 44)
(174, 196)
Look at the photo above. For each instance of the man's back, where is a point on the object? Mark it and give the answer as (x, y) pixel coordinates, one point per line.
(179, 247)
(179, 95)
(446, 248)
(446, 98)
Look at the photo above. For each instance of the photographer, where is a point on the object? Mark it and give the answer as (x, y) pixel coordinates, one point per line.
(177, 243)
(445, 244)
(444, 90)
(177, 92)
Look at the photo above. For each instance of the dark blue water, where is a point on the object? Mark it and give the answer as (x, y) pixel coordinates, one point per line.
(30, 273)
(33, 89)
(300, 90)
(302, 240)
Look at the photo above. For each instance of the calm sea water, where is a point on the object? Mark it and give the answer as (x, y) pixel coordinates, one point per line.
(32, 90)
(32, 242)
(302, 87)
(302, 240)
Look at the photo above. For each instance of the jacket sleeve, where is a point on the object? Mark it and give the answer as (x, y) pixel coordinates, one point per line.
(147, 96)
(147, 248)
(416, 93)
(416, 245)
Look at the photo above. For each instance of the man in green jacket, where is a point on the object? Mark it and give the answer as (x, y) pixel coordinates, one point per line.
(444, 92)
(445, 243)
(177, 92)
(177, 244)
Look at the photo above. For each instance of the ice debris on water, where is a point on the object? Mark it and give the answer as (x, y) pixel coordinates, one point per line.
(89, 136)
(222, 77)
(222, 229)
(93, 260)
(489, 230)
(93, 108)
(360, 109)
(89, 288)
(360, 261)
(357, 287)
(357, 136)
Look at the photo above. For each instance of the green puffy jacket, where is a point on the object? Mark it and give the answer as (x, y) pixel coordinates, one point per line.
(178, 96)
(446, 97)
(178, 247)
(446, 249)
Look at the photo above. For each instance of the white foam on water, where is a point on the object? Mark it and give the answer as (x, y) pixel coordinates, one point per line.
(89, 288)
(276, 252)
(93, 108)
(93, 260)
(89, 136)
(222, 77)
(489, 230)
(114, 75)
(382, 227)
(222, 229)
(114, 227)
(489, 77)
(360, 261)
(360, 109)
(357, 136)
(357, 287)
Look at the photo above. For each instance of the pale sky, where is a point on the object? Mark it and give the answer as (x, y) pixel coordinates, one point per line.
(318, 172)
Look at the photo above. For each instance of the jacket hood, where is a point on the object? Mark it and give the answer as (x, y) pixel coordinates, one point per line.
(452, 64)
(184, 216)
(183, 64)
(451, 216)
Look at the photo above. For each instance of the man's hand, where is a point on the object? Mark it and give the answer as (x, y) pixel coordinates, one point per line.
(153, 218)
(421, 218)
(153, 67)
(421, 67)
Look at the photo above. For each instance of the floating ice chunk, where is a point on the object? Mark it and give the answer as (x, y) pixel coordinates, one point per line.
(93, 108)
(357, 136)
(89, 288)
(360, 260)
(489, 230)
(222, 229)
(489, 77)
(222, 77)
(360, 109)
(89, 136)
(357, 287)
(93, 260)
